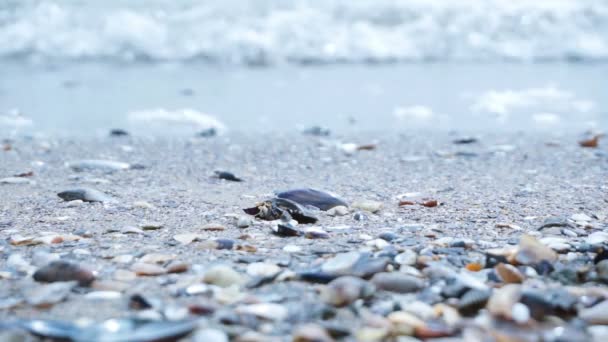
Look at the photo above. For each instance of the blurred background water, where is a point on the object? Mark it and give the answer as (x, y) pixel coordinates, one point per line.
(83, 66)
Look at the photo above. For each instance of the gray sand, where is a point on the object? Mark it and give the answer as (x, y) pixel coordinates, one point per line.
(520, 180)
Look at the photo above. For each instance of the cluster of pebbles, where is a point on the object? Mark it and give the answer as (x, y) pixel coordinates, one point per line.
(475, 241)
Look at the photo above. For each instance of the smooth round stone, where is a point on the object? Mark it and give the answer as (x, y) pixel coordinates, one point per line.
(223, 276)
(85, 194)
(597, 238)
(338, 211)
(312, 197)
(602, 270)
(341, 263)
(262, 269)
(144, 269)
(368, 205)
(269, 311)
(408, 257)
(311, 333)
(345, 290)
(59, 271)
(292, 249)
(46, 295)
(244, 222)
(597, 314)
(396, 282)
(209, 335)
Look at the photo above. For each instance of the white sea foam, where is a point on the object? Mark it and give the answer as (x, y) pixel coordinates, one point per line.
(305, 31)
(14, 119)
(413, 113)
(176, 118)
(544, 103)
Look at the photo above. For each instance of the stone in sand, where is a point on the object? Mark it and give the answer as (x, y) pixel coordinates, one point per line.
(312, 197)
(64, 271)
(98, 165)
(229, 176)
(85, 194)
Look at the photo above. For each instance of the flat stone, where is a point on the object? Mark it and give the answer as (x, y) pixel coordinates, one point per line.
(61, 271)
(47, 295)
(143, 269)
(396, 282)
(223, 276)
(368, 205)
(86, 195)
(345, 290)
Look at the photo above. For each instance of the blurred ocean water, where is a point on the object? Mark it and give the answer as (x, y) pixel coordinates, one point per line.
(305, 31)
(80, 66)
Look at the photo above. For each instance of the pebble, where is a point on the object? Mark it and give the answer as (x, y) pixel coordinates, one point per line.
(345, 290)
(597, 238)
(229, 176)
(47, 295)
(531, 251)
(144, 269)
(311, 333)
(209, 335)
(98, 165)
(597, 314)
(312, 197)
(244, 222)
(315, 233)
(341, 264)
(262, 269)
(60, 271)
(396, 282)
(16, 180)
(223, 276)
(214, 227)
(269, 311)
(86, 195)
(187, 238)
(338, 211)
(602, 270)
(509, 274)
(368, 205)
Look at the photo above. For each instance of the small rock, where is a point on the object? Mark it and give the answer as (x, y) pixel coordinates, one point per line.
(509, 274)
(597, 238)
(61, 271)
(244, 222)
(98, 165)
(223, 276)
(262, 269)
(311, 333)
(214, 227)
(47, 295)
(368, 205)
(225, 175)
(269, 311)
(311, 197)
(597, 314)
(396, 282)
(15, 180)
(338, 211)
(143, 269)
(341, 264)
(532, 252)
(345, 290)
(315, 233)
(86, 195)
(151, 226)
(209, 335)
(187, 238)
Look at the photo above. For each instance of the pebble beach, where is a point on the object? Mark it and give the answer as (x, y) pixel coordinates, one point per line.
(442, 237)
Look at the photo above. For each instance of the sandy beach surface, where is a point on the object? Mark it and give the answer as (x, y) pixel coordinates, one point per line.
(501, 237)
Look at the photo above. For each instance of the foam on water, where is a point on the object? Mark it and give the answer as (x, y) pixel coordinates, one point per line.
(304, 31)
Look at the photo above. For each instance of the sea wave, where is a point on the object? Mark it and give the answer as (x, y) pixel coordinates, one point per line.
(264, 32)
